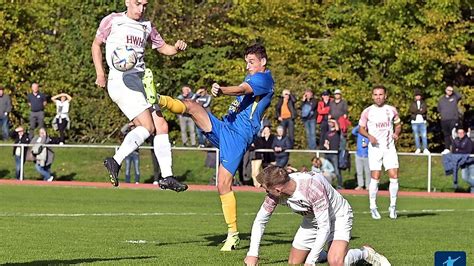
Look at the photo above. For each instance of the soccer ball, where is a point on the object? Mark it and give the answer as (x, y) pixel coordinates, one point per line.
(124, 58)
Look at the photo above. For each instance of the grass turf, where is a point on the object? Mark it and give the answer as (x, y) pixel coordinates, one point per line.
(69, 225)
(81, 164)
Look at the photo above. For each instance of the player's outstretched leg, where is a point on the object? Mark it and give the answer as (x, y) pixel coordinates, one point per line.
(375, 258)
(174, 105)
(113, 168)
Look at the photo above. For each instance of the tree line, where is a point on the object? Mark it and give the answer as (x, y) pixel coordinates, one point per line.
(322, 45)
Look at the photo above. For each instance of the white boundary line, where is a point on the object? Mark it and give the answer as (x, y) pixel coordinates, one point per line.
(17, 214)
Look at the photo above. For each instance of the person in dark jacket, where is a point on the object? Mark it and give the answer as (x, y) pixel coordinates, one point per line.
(20, 137)
(448, 109)
(332, 142)
(323, 116)
(418, 110)
(462, 145)
(308, 116)
(280, 144)
(286, 113)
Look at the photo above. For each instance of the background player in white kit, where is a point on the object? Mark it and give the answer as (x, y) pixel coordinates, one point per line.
(327, 218)
(126, 88)
(380, 123)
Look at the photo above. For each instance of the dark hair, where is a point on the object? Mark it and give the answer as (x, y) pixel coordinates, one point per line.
(380, 87)
(258, 50)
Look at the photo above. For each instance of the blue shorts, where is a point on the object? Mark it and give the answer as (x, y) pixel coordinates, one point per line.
(232, 145)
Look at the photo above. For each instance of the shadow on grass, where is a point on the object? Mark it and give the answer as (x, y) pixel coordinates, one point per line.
(415, 215)
(69, 177)
(77, 261)
(4, 173)
(216, 240)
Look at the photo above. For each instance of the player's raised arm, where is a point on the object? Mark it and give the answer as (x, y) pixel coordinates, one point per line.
(168, 49)
(242, 89)
(97, 58)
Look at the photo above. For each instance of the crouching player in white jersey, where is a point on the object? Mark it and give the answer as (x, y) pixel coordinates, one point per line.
(380, 123)
(327, 219)
(126, 89)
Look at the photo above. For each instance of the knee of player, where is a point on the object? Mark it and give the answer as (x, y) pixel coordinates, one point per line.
(336, 259)
(294, 261)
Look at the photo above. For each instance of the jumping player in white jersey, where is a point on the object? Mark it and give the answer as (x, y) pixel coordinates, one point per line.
(327, 219)
(380, 123)
(126, 89)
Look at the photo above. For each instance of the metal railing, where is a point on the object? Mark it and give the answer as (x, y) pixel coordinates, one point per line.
(316, 152)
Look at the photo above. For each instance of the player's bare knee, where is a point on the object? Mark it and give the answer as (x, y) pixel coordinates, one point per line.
(335, 259)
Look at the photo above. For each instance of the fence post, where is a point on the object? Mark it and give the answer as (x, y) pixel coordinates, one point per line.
(22, 156)
(429, 172)
(217, 164)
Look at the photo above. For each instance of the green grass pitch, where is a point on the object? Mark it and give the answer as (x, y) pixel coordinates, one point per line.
(66, 225)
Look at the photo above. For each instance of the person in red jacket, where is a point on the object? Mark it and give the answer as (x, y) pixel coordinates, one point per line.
(323, 113)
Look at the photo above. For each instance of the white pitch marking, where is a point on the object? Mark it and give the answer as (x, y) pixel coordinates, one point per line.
(6, 214)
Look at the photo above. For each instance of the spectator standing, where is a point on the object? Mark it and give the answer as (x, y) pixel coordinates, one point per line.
(332, 142)
(286, 113)
(281, 143)
(264, 141)
(20, 137)
(44, 156)
(204, 99)
(337, 107)
(37, 102)
(362, 160)
(132, 158)
(418, 110)
(462, 144)
(468, 121)
(61, 120)
(339, 111)
(5, 109)
(185, 121)
(449, 112)
(323, 116)
(308, 115)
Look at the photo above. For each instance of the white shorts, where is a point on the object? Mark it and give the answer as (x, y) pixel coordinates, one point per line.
(306, 234)
(387, 157)
(126, 90)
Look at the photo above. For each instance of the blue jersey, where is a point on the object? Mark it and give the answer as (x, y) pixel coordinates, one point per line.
(246, 111)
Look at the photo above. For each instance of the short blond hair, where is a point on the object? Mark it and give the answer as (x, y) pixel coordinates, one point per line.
(273, 175)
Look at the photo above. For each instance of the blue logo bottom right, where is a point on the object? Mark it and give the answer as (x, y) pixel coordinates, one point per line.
(450, 258)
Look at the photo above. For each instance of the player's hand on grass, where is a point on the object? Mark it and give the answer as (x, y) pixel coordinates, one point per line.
(101, 81)
(215, 90)
(251, 261)
(180, 45)
(373, 140)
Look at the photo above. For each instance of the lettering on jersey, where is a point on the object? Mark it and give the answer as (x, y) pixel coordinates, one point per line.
(234, 106)
(381, 125)
(135, 40)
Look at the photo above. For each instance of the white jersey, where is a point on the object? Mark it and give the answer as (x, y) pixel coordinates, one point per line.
(315, 199)
(379, 123)
(117, 30)
(62, 108)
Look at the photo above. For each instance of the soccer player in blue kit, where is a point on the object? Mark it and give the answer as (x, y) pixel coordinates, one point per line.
(236, 131)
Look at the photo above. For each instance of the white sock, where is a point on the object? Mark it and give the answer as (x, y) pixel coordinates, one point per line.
(373, 189)
(393, 188)
(353, 255)
(162, 149)
(132, 141)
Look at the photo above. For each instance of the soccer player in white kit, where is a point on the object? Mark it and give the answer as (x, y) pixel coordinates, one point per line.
(126, 89)
(327, 219)
(380, 123)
